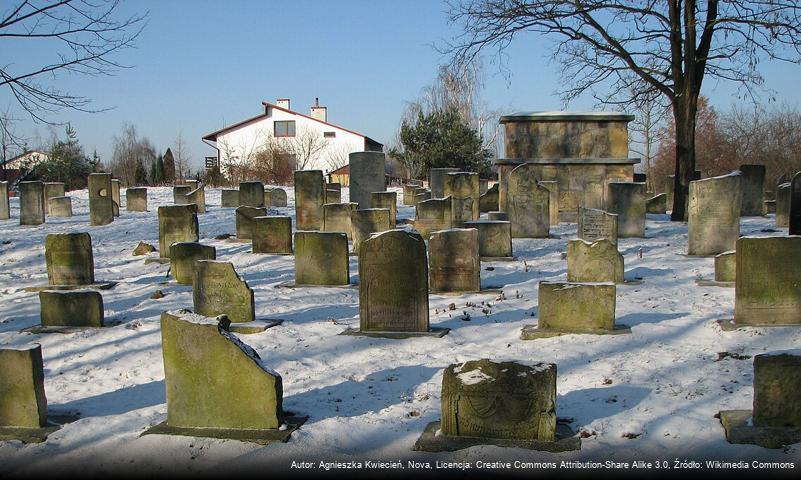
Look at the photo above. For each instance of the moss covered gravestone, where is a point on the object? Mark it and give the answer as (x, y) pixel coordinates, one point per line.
(595, 224)
(528, 204)
(244, 221)
(183, 256)
(333, 193)
(59, 207)
(627, 201)
(278, 197)
(71, 308)
(309, 199)
(454, 265)
(101, 206)
(753, 187)
(31, 203)
(69, 259)
(432, 215)
(367, 221)
(251, 194)
(713, 214)
(272, 234)
(387, 200)
(218, 290)
(51, 190)
(337, 218)
(23, 405)
(229, 198)
(463, 188)
(177, 223)
(494, 238)
(321, 258)
(136, 199)
(488, 201)
(598, 261)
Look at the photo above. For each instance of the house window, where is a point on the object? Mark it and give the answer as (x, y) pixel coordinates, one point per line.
(285, 128)
(329, 134)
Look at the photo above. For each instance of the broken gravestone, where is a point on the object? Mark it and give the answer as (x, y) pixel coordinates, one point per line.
(183, 256)
(597, 261)
(218, 290)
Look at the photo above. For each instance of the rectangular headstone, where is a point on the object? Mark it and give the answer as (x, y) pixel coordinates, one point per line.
(218, 290)
(366, 170)
(115, 196)
(101, 206)
(321, 258)
(595, 224)
(627, 201)
(597, 261)
(309, 199)
(69, 259)
(528, 203)
(229, 198)
(576, 307)
(670, 185)
(386, 200)
(198, 197)
(244, 221)
(337, 218)
(494, 237)
(71, 308)
(59, 207)
(272, 234)
(753, 186)
(431, 215)
(5, 210)
(22, 402)
(333, 193)
(251, 194)
(453, 257)
(777, 390)
(462, 187)
(177, 223)
(183, 256)
(53, 189)
(136, 199)
(437, 180)
(179, 194)
(31, 203)
(713, 214)
(367, 221)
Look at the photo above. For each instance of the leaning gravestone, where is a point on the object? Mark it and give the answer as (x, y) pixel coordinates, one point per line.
(244, 221)
(783, 205)
(386, 200)
(218, 290)
(59, 207)
(431, 215)
(69, 259)
(179, 194)
(766, 289)
(321, 258)
(53, 189)
(183, 256)
(272, 234)
(229, 198)
(463, 188)
(136, 199)
(368, 221)
(437, 180)
(23, 405)
(713, 214)
(597, 261)
(726, 267)
(115, 196)
(177, 223)
(528, 204)
(794, 222)
(488, 201)
(5, 210)
(627, 201)
(656, 204)
(251, 194)
(71, 308)
(337, 218)
(366, 170)
(494, 238)
(198, 197)
(278, 197)
(454, 265)
(31, 203)
(309, 199)
(553, 200)
(101, 206)
(574, 308)
(753, 187)
(333, 193)
(595, 224)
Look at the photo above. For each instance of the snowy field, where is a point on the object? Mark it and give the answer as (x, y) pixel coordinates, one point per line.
(650, 395)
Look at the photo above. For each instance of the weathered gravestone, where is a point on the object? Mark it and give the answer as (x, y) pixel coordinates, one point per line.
(71, 308)
(454, 264)
(218, 290)
(368, 221)
(566, 307)
(553, 200)
(483, 186)
(753, 187)
(115, 197)
(337, 218)
(333, 193)
(179, 194)
(386, 200)
(31, 203)
(193, 184)
(627, 201)
(488, 201)
(229, 198)
(597, 261)
(251, 194)
(23, 405)
(431, 215)
(59, 207)
(409, 193)
(198, 197)
(494, 238)
(713, 214)
(437, 180)
(366, 175)
(69, 259)
(421, 195)
(595, 224)
(272, 234)
(528, 204)
(794, 222)
(498, 215)
(462, 187)
(183, 256)
(726, 267)
(309, 199)
(656, 204)
(101, 207)
(670, 185)
(136, 199)
(767, 289)
(53, 189)
(5, 210)
(244, 221)
(268, 196)
(775, 419)
(278, 197)
(177, 223)
(321, 258)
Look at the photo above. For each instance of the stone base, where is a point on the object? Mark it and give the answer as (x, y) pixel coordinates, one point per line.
(60, 329)
(702, 282)
(429, 441)
(157, 260)
(36, 435)
(91, 286)
(295, 285)
(260, 436)
(256, 326)
(727, 325)
(499, 259)
(489, 290)
(239, 240)
(736, 424)
(532, 332)
(432, 332)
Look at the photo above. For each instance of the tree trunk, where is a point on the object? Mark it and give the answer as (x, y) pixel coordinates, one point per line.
(684, 115)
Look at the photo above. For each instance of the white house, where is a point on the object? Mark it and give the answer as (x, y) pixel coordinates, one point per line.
(309, 140)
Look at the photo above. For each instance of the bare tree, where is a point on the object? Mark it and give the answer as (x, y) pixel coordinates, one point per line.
(10, 141)
(181, 158)
(337, 157)
(132, 156)
(669, 47)
(308, 146)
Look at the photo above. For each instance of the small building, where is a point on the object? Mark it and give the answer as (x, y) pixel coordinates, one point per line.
(14, 168)
(341, 175)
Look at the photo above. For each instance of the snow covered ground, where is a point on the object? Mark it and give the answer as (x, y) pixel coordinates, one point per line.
(650, 395)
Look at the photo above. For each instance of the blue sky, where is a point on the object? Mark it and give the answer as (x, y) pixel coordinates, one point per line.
(202, 64)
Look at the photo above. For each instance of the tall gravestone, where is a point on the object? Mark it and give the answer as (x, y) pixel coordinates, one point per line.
(101, 206)
(278, 197)
(251, 194)
(453, 257)
(431, 215)
(177, 223)
(337, 218)
(488, 201)
(333, 192)
(670, 185)
(713, 214)
(753, 187)
(198, 197)
(115, 196)
(794, 222)
(409, 193)
(244, 221)
(321, 258)
(183, 256)
(597, 261)
(627, 201)
(229, 198)
(528, 204)
(218, 290)
(5, 210)
(53, 189)
(463, 189)
(386, 200)
(366, 170)
(69, 259)
(309, 199)
(393, 283)
(595, 224)
(783, 205)
(494, 238)
(22, 403)
(31, 203)
(71, 308)
(272, 234)
(368, 221)
(553, 200)
(136, 199)
(436, 180)
(59, 207)
(268, 196)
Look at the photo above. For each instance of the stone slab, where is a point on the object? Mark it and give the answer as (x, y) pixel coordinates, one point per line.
(429, 441)
(533, 332)
(259, 436)
(91, 286)
(704, 282)
(738, 427)
(432, 332)
(256, 326)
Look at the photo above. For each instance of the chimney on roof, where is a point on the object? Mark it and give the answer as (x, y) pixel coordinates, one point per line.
(283, 103)
(318, 112)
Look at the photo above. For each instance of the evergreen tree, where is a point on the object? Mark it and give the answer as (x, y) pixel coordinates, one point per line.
(67, 163)
(169, 167)
(152, 176)
(141, 173)
(161, 174)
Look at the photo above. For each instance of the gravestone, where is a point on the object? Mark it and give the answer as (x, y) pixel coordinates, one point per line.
(59, 207)
(393, 283)
(136, 199)
(794, 223)
(494, 238)
(177, 223)
(483, 186)
(309, 199)
(421, 195)
(183, 256)
(766, 289)
(268, 197)
(229, 198)
(437, 180)
(528, 204)
(337, 218)
(218, 290)
(488, 201)
(22, 403)
(321, 258)
(368, 221)
(366, 171)
(576, 307)
(179, 194)
(101, 209)
(497, 215)
(251, 194)
(713, 214)
(627, 201)
(272, 234)
(669, 190)
(193, 184)
(656, 204)
(244, 221)
(597, 261)
(595, 224)
(115, 196)
(431, 215)
(463, 189)
(333, 193)
(31, 203)
(386, 200)
(770, 206)
(198, 197)
(278, 197)
(53, 189)
(69, 259)
(726, 267)
(753, 187)
(454, 264)
(5, 210)
(71, 308)
(553, 200)
(409, 191)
